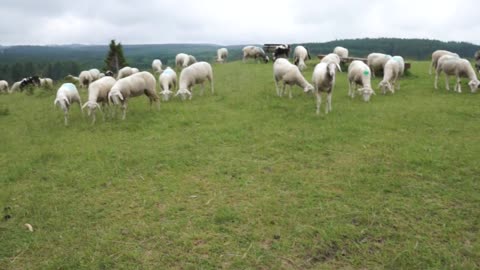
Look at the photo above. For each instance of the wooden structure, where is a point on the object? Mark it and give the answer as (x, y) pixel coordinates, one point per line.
(348, 60)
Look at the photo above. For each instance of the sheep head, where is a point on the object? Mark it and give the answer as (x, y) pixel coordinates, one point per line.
(366, 93)
(474, 85)
(384, 85)
(308, 88)
(92, 106)
(184, 93)
(166, 94)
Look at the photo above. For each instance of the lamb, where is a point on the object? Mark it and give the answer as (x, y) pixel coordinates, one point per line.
(133, 86)
(254, 52)
(98, 92)
(46, 82)
(222, 55)
(341, 52)
(168, 81)
(436, 56)
(197, 73)
(4, 87)
(85, 79)
(359, 74)
(157, 66)
(66, 95)
(331, 58)
(459, 67)
(290, 74)
(323, 79)
(300, 55)
(377, 61)
(126, 71)
(391, 73)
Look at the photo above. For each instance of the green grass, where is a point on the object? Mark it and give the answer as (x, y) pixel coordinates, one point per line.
(243, 179)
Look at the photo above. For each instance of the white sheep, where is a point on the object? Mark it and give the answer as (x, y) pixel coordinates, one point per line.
(126, 71)
(98, 92)
(377, 61)
(331, 58)
(15, 87)
(157, 66)
(459, 67)
(4, 87)
(222, 55)
(168, 82)
(359, 74)
(46, 82)
(391, 73)
(141, 83)
(290, 75)
(254, 52)
(401, 64)
(66, 95)
(197, 73)
(341, 52)
(436, 56)
(95, 73)
(181, 60)
(300, 55)
(85, 78)
(323, 79)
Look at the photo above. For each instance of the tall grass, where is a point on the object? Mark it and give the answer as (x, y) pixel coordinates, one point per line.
(243, 179)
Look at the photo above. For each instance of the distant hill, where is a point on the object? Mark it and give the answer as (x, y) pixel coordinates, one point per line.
(56, 62)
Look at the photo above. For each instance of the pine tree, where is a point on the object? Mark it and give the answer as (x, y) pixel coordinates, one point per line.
(115, 59)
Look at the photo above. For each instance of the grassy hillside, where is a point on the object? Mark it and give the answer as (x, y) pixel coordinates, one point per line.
(243, 179)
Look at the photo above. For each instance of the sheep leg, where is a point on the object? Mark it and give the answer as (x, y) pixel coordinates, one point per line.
(276, 86)
(124, 110)
(329, 102)
(436, 80)
(319, 101)
(459, 85)
(290, 91)
(65, 117)
(203, 89)
(210, 80)
(446, 82)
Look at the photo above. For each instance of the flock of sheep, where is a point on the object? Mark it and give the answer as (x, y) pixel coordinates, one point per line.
(105, 89)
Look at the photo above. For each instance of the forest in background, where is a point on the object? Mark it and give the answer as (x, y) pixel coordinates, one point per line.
(17, 62)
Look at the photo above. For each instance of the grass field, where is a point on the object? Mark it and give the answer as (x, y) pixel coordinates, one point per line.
(243, 179)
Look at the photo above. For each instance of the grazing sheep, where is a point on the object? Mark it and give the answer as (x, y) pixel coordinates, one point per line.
(141, 83)
(181, 60)
(4, 87)
(191, 60)
(197, 73)
(46, 82)
(66, 95)
(85, 79)
(359, 74)
(300, 55)
(331, 58)
(157, 66)
(459, 67)
(377, 61)
(254, 52)
(341, 52)
(72, 79)
(95, 73)
(281, 51)
(391, 73)
(290, 74)
(125, 72)
(323, 79)
(436, 56)
(168, 82)
(222, 55)
(15, 87)
(98, 92)
(32, 80)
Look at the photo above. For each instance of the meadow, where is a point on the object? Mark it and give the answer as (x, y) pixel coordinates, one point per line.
(243, 179)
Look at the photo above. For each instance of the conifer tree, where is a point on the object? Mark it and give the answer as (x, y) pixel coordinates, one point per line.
(115, 59)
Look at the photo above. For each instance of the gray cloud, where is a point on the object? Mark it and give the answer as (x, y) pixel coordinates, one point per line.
(233, 22)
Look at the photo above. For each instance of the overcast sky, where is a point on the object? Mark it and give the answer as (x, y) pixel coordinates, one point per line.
(233, 22)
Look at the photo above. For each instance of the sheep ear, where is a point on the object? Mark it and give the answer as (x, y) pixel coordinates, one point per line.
(55, 102)
(66, 100)
(99, 107)
(85, 105)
